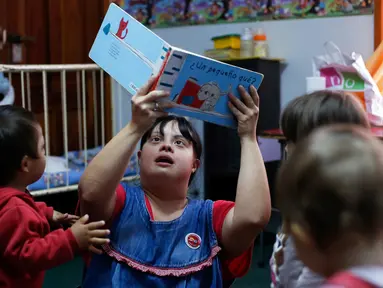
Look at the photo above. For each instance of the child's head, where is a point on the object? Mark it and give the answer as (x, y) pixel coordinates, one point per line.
(303, 114)
(330, 192)
(22, 152)
(171, 149)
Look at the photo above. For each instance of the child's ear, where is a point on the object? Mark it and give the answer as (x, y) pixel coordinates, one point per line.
(24, 166)
(196, 164)
(301, 234)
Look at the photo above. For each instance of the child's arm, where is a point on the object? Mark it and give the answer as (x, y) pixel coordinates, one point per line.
(54, 216)
(24, 248)
(252, 203)
(100, 179)
(27, 250)
(45, 210)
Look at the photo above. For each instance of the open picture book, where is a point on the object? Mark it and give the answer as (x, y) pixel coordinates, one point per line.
(199, 86)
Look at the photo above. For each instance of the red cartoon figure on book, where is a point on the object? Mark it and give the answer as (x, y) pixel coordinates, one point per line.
(122, 28)
(203, 97)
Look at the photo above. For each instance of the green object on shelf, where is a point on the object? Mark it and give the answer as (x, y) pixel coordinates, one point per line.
(225, 36)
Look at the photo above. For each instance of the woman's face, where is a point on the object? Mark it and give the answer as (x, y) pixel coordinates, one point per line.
(170, 155)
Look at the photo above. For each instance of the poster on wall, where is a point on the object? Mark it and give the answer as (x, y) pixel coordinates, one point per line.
(170, 13)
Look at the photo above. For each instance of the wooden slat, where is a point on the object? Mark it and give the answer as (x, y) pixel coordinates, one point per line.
(3, 25)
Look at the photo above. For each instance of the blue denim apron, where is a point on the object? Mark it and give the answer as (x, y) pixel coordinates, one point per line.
(146, 253)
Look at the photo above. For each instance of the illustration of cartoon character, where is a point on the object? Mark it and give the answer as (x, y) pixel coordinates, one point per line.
(336, 6)
(203, 97)
(240, 9)
(179, 10)
(230, 13)
(280, 11)
(318, 8)
(302, 4)
(250, 9)
(215, 10)
(168, 12)
(265, 7)
(201, 11)
(194, 16)
(122, 28)
(210, 92)
(138, 9)
(140, 15)
(347, 6)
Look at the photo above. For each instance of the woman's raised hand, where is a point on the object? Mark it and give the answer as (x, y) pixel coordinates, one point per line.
(246, 111)
(146, 107)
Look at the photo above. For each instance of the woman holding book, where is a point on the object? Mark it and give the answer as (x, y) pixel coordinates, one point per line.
(159, 237)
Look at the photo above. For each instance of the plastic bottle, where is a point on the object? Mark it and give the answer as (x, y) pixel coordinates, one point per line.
(260, 46)
(246, 43)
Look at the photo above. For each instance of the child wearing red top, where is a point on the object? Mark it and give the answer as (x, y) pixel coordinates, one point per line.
(27, 245)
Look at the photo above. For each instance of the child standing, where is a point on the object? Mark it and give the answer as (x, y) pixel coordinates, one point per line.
(331, 196)
(300, 117)
(159, 237)
(27, 246)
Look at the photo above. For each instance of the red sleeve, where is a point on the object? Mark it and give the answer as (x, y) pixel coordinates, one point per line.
(46, 211)
(24, 248)
(120, 202)
(235, 267)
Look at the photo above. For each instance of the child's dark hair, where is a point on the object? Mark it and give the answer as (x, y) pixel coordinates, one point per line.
(18, 138)
(186, 128)
(332, 184)
(303, 114)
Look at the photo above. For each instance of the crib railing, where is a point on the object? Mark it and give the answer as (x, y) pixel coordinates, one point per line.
(82, 72)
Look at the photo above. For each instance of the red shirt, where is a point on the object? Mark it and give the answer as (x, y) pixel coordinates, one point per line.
(346, 279)
(27, 246)
(231, 268)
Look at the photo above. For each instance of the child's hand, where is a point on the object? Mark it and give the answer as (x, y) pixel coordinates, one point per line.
(246, 111)
(279, 253)
(89, 235)
(60, 218)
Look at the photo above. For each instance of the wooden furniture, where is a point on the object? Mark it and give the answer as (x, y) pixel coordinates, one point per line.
(222, 145)
(63, 32)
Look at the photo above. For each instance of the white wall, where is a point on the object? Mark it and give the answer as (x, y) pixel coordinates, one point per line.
(296, 41)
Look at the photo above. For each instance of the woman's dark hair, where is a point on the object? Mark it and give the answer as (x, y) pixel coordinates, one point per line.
(18, 138)
(303, 114)
(186, 128)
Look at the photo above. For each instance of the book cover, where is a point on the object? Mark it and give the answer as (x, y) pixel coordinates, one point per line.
(127, 50)
(199, 87)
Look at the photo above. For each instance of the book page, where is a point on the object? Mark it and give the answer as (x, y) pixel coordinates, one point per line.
(171, 71)
(127, 50)
(201, 87)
